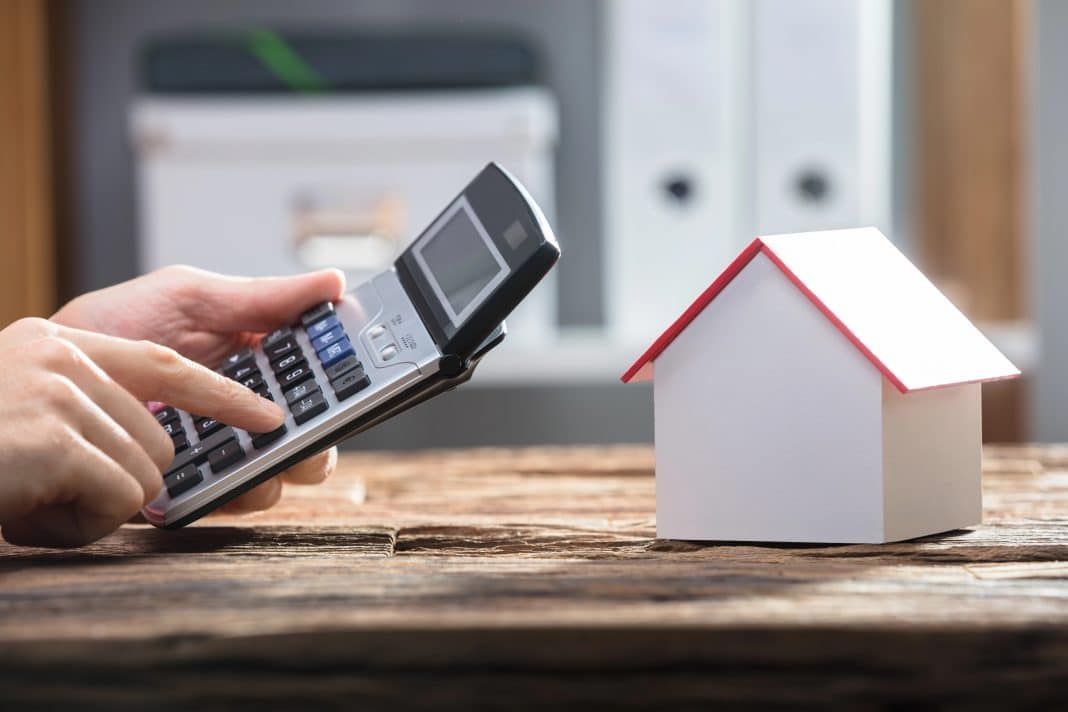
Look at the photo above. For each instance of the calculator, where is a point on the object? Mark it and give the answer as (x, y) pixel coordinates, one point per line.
(405, 335)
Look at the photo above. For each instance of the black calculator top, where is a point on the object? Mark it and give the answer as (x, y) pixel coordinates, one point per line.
(477, 260)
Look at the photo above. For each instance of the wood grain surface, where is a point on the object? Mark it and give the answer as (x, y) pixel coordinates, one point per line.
(515, 578)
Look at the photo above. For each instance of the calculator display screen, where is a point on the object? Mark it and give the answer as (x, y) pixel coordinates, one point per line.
(460, 262)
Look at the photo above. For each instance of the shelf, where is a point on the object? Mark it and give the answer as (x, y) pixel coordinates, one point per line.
(593, 356)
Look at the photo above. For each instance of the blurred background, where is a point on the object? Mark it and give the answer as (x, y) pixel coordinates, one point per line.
(268, 137)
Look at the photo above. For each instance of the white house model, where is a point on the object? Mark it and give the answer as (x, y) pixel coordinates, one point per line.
(820, 390)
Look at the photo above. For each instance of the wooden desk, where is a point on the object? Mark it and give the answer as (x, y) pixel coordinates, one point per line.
(500, 578)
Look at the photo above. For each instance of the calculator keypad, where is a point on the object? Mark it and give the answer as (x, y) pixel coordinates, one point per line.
(211, 448)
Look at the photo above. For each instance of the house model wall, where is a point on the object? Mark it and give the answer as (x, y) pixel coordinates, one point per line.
(821, 390)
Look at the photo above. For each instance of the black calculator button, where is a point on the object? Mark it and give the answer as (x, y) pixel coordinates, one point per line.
(280, 348)
(207, 426)
(321, 327)
(173, 428)
(263, 392)
(198, 454)
(308, 407)
(181, 442)
(343, 366)
(236, 358)
(320, 311)
(275, 336)
(242, 372)
(300, 390)
(183, 480)
(252, 381)
(225, 455)
(261, 440)
(287, 362)
(166, 415)
(350, 384)
(294, 376)
(235, 362)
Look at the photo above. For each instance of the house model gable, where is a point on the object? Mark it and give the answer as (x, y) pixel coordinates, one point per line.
(820, 390)
(878, 299)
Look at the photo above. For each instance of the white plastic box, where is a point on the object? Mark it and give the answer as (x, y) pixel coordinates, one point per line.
(279, 185)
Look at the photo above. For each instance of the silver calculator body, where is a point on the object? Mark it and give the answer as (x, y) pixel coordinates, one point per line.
(383, 348)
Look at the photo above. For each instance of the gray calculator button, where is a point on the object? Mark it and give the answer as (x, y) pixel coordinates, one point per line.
(376, 331)
(276, 336)
(350, 384)
(198, 454)
(316, 313)
(225, 455)
(262, 440)
(307, 408)
(300, 390)
(339, 368)
(183, 480)
(388, 352)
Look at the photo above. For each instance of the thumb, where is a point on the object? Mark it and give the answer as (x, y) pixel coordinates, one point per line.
(261, 303)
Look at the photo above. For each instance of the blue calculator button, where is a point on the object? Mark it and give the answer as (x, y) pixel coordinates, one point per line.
(322, 326)
(321, 342)
(336, 351)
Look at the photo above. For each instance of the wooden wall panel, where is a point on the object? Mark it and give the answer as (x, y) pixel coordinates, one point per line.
(27, 261)
(971, 79)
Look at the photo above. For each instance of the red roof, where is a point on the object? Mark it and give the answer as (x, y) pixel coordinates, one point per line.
(876, 298)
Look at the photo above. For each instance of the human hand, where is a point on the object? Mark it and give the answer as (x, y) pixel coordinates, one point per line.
(206, 316)
(79, 452)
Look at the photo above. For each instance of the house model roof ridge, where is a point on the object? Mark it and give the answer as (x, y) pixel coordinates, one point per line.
(876, 298)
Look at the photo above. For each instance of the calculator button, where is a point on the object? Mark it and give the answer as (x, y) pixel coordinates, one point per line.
(336, 351)
(198, 454)
(280, 348)
(180, 442)
(235, 362)
(291, 361)
(242, 372)
(316, 313)
(321, 327)
(291, 378)
(263, 392)
(207, 426)
(343, 366)
(308, 407)
(254, 381)
(236, 358)
(388, 353)
(225, 455)
(377, 331)
(183, 480)
(321, 342)
(350, 384)
(261, 440)
(173, 428)
(301, 390)
(166, 415)
(275, 336)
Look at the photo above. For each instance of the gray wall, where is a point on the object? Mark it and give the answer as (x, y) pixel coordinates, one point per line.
(105, 35)
(1050, 166)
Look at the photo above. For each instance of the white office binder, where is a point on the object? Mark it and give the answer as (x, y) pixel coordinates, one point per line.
(776, 114)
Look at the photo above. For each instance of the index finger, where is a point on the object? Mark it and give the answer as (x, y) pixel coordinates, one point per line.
(156, 373)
